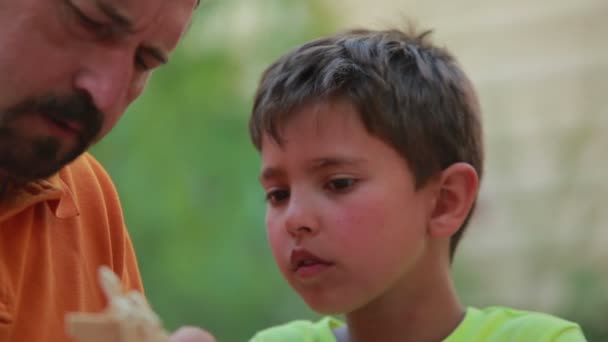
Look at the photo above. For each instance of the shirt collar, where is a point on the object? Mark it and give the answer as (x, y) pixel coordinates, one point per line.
(53, 190)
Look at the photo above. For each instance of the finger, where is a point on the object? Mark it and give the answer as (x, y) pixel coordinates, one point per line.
(191, 334)
(110, 284)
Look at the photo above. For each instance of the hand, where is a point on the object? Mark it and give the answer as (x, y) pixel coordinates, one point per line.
(127, 317)
(191, 334)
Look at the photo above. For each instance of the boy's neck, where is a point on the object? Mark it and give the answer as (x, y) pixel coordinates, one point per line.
(428, 310)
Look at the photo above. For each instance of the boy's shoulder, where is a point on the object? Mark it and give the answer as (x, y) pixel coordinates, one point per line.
(492, 324)
(505, 324)
(300, 330)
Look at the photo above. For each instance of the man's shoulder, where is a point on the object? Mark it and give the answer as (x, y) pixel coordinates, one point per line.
(300, 330)
(85, 164)
(504, 324)
(87, 180)
(85, 171)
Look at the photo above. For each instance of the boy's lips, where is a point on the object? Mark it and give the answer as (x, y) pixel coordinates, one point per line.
(306, 264)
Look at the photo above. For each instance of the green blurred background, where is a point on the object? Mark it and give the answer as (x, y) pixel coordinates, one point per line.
(187, 174)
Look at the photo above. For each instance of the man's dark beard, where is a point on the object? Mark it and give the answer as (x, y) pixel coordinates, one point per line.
(25, 158)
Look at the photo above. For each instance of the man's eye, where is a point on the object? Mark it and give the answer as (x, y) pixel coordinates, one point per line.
(140, 63)
(340, 184)
(275, 197)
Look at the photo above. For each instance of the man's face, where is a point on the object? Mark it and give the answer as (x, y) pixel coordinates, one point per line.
(70, 68)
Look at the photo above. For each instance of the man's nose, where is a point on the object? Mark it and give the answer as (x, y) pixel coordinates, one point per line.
(108, 78)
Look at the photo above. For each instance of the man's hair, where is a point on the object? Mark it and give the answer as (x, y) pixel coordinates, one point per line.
(408, 92)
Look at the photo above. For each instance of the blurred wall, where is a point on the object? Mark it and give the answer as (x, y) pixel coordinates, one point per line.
(541, 68)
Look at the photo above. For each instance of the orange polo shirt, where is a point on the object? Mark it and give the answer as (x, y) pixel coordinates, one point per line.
(54, 234)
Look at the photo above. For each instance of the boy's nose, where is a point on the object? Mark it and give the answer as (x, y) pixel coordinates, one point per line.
(300, 219)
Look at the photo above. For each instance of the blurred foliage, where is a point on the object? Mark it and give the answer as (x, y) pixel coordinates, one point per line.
(187, 174)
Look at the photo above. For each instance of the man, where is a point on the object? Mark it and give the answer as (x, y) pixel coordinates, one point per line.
(68, 71)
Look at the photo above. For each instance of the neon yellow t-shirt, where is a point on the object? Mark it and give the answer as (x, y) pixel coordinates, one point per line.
(494, 324)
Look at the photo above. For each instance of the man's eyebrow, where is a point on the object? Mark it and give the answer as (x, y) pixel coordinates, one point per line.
(126, 24)
(119, 19)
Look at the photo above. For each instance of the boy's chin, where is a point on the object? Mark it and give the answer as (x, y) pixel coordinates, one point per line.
(326, 307)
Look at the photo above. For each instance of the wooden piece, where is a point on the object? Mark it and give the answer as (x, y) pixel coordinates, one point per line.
(127, 318)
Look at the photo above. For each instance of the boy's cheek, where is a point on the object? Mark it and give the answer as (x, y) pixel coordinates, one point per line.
(359, 214)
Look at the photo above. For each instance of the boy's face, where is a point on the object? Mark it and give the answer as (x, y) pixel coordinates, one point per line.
(344, 221)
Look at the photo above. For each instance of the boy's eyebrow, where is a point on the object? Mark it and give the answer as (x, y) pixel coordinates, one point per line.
(322, 163)
(271, 172)
(316, 164)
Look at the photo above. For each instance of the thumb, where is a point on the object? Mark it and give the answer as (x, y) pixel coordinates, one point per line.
(191, 334)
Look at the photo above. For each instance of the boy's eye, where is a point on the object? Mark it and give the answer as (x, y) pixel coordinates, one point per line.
(275, 197)
(340, 184)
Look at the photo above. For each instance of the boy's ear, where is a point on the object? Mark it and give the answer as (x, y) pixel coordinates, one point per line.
(457, 188)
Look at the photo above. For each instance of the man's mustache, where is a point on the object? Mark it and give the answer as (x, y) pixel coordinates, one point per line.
(78, 109)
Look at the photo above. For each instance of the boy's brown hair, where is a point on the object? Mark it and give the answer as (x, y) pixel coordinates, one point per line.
(409, 93)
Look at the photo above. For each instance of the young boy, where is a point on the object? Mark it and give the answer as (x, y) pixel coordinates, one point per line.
(371, 149)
